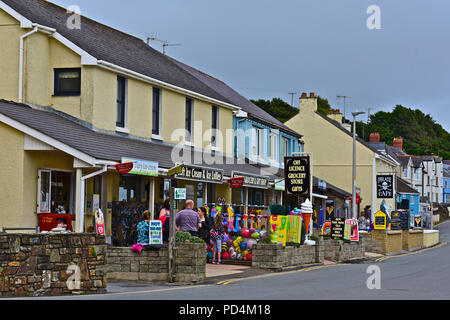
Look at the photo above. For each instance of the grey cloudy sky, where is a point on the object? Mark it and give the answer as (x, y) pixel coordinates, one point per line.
(267, 48)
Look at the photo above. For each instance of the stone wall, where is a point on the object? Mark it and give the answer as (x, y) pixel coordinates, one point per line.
(391, 241)
(430, 238)
(153, 264)
(277, 257)
(412, 239)
(338, 250)
(46, 264)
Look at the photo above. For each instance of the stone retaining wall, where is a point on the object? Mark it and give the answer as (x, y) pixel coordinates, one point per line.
(46, 264)
(338, 250)
(412, 239)
(153, 265)
(430, 238)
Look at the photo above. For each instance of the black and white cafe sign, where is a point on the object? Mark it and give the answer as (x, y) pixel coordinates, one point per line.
(385, 186)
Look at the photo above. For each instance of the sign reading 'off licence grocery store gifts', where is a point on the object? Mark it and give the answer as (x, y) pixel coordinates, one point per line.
(297, 176)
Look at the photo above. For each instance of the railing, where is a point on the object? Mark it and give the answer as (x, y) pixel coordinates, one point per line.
(36, 229)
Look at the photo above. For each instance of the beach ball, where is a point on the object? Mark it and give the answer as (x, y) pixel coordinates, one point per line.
(226, 255)
(250, 257)
(234, 255)
(231, 250)
(245, 253)
(246, 234)
(243, 246)
(250, 243)
(236, 243)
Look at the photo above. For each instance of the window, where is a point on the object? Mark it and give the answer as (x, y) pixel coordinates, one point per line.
(257, 141)
(55, 192)
(67, 82)
(121, 104)
(273, 147)
(188, 119)
(156, 111)
(285, 147)
(215, 125)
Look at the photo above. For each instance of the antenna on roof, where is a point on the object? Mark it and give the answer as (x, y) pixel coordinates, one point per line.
(292, 97)
(164, 43)
(338, 96)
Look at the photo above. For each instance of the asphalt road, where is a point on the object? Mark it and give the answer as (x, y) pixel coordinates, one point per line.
(419, 275)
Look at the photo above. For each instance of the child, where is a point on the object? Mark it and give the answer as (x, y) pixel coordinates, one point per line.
(217, 232)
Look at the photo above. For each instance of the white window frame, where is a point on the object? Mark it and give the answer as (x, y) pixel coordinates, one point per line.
(273, 146)
(39, 210)
(257, 139)
(124, 129)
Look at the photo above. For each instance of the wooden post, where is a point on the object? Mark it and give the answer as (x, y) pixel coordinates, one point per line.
(171, 274)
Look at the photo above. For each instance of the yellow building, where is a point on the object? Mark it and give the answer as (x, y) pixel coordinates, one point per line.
(87, 97)
(332, 146)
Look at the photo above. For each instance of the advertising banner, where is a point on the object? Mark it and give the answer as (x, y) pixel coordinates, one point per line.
(142, 167)
(99, 222)
(278, 229)
(294, 229)
(337, 228)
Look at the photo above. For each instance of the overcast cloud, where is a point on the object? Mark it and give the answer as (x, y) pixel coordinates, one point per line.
(266, 48)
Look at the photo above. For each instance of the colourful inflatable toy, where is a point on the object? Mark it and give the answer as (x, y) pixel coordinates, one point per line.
(243, 246)
(255, 235)
(250, 257)
(226, 256)
(251, 243)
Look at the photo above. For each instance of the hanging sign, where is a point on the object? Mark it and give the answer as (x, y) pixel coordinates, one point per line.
(380, 221)
(385, 186)
(252, 181)
(298, 176)
(237, 182)
(155, 232)
(124, 168)
(202, 174)
(180, 193)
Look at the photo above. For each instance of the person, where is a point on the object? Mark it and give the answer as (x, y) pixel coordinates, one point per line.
(165, 211)
(143, 228)
(188, 220)
(217, 233)
(207, 223)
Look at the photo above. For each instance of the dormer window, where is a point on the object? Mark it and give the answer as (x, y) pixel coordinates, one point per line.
(67, 82)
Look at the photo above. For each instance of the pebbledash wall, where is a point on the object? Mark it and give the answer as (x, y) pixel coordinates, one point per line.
(52, 264)
(152, 264)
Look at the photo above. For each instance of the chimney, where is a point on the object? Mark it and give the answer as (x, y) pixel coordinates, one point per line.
(398, 143)
(308, 104)
(374, 137)
(335, 115)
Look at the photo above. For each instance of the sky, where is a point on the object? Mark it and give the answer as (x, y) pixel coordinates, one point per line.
(265, 49)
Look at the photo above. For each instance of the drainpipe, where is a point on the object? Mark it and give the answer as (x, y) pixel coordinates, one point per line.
(82, 195)
(36, 28)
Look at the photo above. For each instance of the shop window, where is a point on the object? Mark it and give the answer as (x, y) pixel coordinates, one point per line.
(67, 82)
(130, 188)
(55, 192)
(256, 197)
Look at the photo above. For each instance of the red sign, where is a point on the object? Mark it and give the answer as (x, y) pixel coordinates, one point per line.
(358, 199)
(124, 168)
(237, 182)
(48, 221)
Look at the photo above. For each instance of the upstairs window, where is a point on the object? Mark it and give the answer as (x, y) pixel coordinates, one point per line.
(189, 125)
(67, 82)
(285, 147)
(215, 125)
(273, 147)
(121, 102)
(156, 112)
(257, 137)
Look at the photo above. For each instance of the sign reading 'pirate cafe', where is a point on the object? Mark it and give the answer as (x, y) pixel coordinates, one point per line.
(385, 187)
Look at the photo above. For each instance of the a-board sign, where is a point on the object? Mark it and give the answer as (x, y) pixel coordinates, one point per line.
(297, 174)
(337, 228)
(155, 232)
(380, 221)
(404, 220)
(396, 223)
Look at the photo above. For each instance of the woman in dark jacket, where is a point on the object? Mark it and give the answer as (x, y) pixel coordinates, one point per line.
(207, 223)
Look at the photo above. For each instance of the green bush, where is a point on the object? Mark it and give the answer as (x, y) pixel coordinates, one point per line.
(265, 240)
(314, 238)
(182, 236)
(277, 210)
(195, 240)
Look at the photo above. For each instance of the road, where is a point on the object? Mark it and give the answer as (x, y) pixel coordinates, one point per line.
(421, 275)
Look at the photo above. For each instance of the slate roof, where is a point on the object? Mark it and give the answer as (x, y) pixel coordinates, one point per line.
(127, 51)
(106, 146)
(403, 187)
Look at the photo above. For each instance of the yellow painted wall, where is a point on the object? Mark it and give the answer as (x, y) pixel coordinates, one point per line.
(10, 33)
(12, 182)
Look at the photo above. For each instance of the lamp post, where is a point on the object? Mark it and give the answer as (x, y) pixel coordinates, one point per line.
(354, 212)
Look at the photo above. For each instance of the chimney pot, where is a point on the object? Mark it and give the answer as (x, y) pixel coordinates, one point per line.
(312, 95)
(304, 95)
(375, 137)
(398, 142)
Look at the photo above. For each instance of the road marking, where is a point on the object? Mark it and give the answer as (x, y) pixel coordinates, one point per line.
(411, 253)
(227, 282)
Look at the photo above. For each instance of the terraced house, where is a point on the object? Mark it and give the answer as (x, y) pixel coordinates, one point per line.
(78, 101)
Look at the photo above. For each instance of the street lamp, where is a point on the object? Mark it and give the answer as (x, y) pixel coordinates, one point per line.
(354, 212)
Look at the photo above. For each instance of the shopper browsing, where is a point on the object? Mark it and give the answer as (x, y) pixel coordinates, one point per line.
(143, 229)
(217, 233)
(188, 220)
